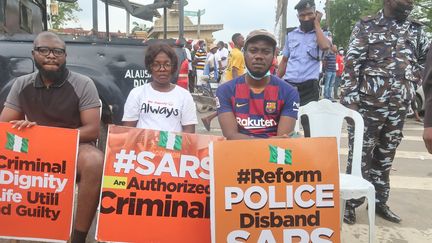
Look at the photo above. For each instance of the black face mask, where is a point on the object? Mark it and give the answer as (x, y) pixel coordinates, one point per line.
(307, 26)
(52, 75)
(401, 11)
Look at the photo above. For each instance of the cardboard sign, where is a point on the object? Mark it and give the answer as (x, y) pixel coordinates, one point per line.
(37, 182)
(155, 187)
(275, 190)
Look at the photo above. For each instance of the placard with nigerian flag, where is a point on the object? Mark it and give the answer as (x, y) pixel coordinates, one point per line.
(155, 187)
(37, 182)
(275, 190)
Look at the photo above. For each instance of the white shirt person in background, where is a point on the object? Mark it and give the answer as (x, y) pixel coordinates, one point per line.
(223, 54)
(161, 105)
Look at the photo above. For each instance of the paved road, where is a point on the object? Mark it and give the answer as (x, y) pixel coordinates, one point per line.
(411, 193)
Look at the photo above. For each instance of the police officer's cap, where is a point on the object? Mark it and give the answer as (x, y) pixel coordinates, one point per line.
(304, 4)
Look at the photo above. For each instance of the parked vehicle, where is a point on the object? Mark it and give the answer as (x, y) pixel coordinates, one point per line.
(420, 99)
(116, 65)
(419, 102)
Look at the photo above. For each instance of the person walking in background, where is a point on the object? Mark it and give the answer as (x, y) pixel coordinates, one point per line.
(223, 54)
(183, 74)
(212, 66)
(329, 66)
(191, 72)
(200, 59)
(300, 65)
(340, 66)
(275, 64)
(236, 63)
(383, 66)
(235, 68)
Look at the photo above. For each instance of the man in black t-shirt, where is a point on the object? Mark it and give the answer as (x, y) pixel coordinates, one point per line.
(55, 96)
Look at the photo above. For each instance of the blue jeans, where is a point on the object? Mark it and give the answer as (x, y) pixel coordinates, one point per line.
(329, 82)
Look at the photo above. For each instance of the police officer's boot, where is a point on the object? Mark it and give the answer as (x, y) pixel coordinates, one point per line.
(382, 210)
(349, 215)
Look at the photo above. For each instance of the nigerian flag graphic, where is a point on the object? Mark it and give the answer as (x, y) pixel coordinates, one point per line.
(16, 143)
(279, 155)
(170, 140)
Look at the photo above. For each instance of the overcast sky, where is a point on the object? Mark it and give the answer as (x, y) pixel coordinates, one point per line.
(236, 15)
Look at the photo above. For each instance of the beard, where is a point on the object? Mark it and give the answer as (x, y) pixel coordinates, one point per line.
(52, 75)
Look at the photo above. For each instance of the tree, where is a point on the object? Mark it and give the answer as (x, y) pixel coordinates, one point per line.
(139, 27)
(345, 13)
(66, 13)
(423, 13)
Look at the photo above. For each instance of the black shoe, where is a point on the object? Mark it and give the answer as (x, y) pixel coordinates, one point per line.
(384, 212)
(349, 215)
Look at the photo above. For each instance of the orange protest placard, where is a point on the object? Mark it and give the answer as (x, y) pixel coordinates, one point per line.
(275, 190)
(37, 182)
(155, 187)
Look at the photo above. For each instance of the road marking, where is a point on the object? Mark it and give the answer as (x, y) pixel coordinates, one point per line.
(419, 128)
(360, 233)
(411, 183)
(405, 138)
(400, 154)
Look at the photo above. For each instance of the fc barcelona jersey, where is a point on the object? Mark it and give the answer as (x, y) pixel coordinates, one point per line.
(258, 114)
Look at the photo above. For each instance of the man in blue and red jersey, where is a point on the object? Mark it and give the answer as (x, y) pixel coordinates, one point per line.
(257, 104)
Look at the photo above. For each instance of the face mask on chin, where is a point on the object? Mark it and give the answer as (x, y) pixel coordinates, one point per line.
(258, 75)
(307, 26)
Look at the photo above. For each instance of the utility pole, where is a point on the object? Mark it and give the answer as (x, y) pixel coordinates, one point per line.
(199, 25)
(181, 19)
(327, 12)
(284, 23)
(95, 17)
(127, 23)
(107, 20)
(165, 22)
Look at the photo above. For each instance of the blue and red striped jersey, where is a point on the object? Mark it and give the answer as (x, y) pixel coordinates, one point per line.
(258, 115)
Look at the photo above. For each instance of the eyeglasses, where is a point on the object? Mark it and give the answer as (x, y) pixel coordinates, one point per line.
(158, 67)
(45, 51)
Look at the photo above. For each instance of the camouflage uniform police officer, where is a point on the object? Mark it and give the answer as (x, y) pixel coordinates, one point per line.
(383, 68)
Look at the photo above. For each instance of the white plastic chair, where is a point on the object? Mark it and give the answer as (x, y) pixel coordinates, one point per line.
(100, 116)
(326, 120)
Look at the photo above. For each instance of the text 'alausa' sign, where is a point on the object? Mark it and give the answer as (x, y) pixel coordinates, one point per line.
(155, 187)
(275, 190)
(37, 181)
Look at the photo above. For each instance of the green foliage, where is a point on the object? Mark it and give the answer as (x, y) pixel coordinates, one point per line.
(65, 14)
(139, 27)
(345, 13)
(423, 13)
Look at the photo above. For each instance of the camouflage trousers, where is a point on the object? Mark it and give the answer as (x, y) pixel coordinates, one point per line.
(382, 136)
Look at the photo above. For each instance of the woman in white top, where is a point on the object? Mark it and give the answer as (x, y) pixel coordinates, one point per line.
(160, 105)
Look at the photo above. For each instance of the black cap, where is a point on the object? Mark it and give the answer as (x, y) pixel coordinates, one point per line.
(304, 4)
